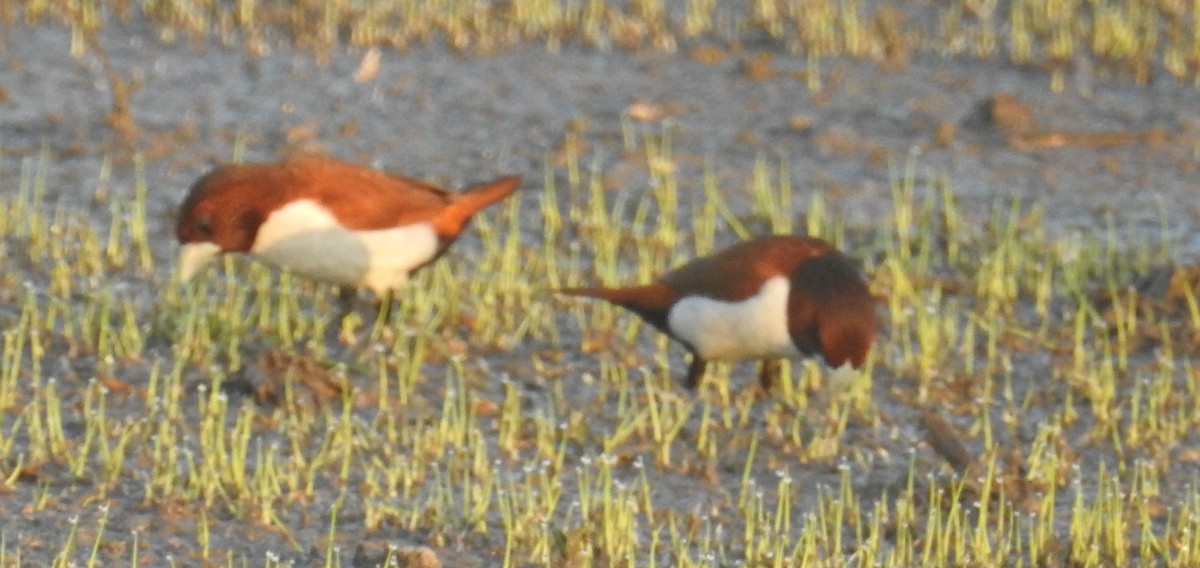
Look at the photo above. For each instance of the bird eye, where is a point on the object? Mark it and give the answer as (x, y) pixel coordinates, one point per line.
(204, 227)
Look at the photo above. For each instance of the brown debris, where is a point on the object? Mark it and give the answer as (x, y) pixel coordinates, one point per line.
(708, 54)
(643, 111)
(800, 123)
(1164, 289)
(943, 437)
(117, 386)
(1015, 121)
(946, 131)
(278, 367)
(890, 23)
(760, 67)
(370, 554)
(368, 68)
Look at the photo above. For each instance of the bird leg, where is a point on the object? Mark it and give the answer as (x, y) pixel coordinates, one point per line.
(695, 372)
(378, 310)
(768, 374)
(346, 295)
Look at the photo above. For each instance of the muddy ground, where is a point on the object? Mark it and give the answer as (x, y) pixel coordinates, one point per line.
(440, 115)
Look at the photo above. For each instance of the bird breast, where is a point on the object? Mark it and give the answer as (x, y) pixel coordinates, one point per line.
(753, 328)
(305, 237)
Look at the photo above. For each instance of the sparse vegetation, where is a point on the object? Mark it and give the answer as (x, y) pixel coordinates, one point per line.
(407, 427)
(1129, 39)
(238, 401)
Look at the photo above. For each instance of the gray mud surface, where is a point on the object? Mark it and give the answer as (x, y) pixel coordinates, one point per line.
(436, 114)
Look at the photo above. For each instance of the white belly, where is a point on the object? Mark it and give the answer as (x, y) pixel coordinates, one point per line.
(754, 328)
(304, 237)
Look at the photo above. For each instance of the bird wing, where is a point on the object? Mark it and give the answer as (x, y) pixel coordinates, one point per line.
(367, 199)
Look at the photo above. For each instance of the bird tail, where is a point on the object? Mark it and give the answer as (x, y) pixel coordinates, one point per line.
(645, 299)
(465, 204)
(608, 294)
(650, 301)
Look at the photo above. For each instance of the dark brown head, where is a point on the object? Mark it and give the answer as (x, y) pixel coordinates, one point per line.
(831, 310)
(223, 211)
(225, 207)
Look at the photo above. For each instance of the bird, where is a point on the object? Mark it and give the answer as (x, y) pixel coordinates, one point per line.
(327, 220)
(767, 298)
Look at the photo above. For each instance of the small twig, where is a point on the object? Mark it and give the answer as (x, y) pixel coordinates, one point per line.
(944, 439)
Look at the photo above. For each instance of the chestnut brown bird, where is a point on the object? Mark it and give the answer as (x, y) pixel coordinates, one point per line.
(766, 298)
(328, 220)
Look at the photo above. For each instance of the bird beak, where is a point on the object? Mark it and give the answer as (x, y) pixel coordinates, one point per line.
(193, 257)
